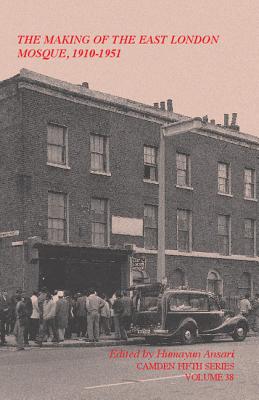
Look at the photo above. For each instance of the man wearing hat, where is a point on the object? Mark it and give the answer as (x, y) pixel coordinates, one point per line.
(62, 310)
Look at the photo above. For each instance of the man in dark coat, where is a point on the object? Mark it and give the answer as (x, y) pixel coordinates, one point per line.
(21, 317)
(28, 309)
(123, 308)
(62, 311)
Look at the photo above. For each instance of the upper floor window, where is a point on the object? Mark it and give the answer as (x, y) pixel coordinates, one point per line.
(57, 217)
(57, 144)
(184, 230)
(249, 184)
(99, 220)
(224, 234)
(99, 153)
(183, 164)
(150, 163)
(150, 226)
(224, 178)
(249, 237)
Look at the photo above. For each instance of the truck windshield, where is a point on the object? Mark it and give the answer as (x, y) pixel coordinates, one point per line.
(147, 298)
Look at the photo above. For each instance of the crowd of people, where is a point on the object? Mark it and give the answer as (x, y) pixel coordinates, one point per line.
(46, 316)
(55, 317)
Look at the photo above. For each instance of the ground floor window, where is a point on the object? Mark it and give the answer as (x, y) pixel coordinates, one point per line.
(178, 278)
(245, 284)
(214, 283)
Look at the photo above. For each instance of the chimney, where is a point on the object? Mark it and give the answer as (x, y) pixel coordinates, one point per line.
(170, 105)
(205, 119)
(212, 121)
(85, 84)
(156, 105)
(162, 105)
(226, 120)
(234, 119)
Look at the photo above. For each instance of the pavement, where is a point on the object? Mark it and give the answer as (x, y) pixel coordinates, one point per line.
(104, 341)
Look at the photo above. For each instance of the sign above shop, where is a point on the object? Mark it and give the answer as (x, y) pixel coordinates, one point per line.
(138, 263)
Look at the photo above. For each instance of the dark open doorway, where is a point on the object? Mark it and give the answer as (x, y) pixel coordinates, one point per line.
(78, 269)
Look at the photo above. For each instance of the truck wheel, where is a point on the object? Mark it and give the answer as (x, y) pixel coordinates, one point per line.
(188, 335)
(240, 333)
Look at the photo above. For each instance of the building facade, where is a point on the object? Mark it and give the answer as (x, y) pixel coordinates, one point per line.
(81, 193)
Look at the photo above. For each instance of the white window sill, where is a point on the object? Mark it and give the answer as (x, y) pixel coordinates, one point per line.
(225, 194)
(149, 181)
(58, 165)
(101, 173)
(250, 199)
(184, 187)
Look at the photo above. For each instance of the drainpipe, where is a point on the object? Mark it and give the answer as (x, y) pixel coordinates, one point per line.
(176, 128)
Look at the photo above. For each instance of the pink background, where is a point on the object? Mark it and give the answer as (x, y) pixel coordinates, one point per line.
(201, 80)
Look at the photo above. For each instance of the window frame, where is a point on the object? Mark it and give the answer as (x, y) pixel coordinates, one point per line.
(152, 229)
(189, 222)
(65, 219)
(252, 184)
(227, 179)
(251, 239)
(153, 166)
(100, 219)
(105, 169)
(56, 163)
(186, 170)
(228, 236)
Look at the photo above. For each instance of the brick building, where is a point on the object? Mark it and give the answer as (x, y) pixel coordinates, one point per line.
(89, 197)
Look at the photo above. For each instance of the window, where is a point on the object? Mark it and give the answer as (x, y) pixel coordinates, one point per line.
(214, 283)
(57, 144)
(184, 229)
(224, 178)
(150, 226)
(57, 217)
(249, 237)
(245, 284)
(99, 153)
(224, 234)
(99, 219)
(150, 163)
(249, 183)
(183, 170)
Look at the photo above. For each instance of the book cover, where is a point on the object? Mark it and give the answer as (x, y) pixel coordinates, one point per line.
(129, 160)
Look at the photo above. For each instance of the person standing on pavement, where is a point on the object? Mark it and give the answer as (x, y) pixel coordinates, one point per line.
(62, 310)
(123, 310)
(21, 318)
(105, 315)
(81, 315)
(256, 312)
(4, 313)
(34, 320)
(41, 298)
(126, 316)
(115, 314)
(28, 308)
(245, 306)
(93, 305)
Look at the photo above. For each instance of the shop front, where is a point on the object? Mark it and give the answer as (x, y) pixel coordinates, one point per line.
(77, 268)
